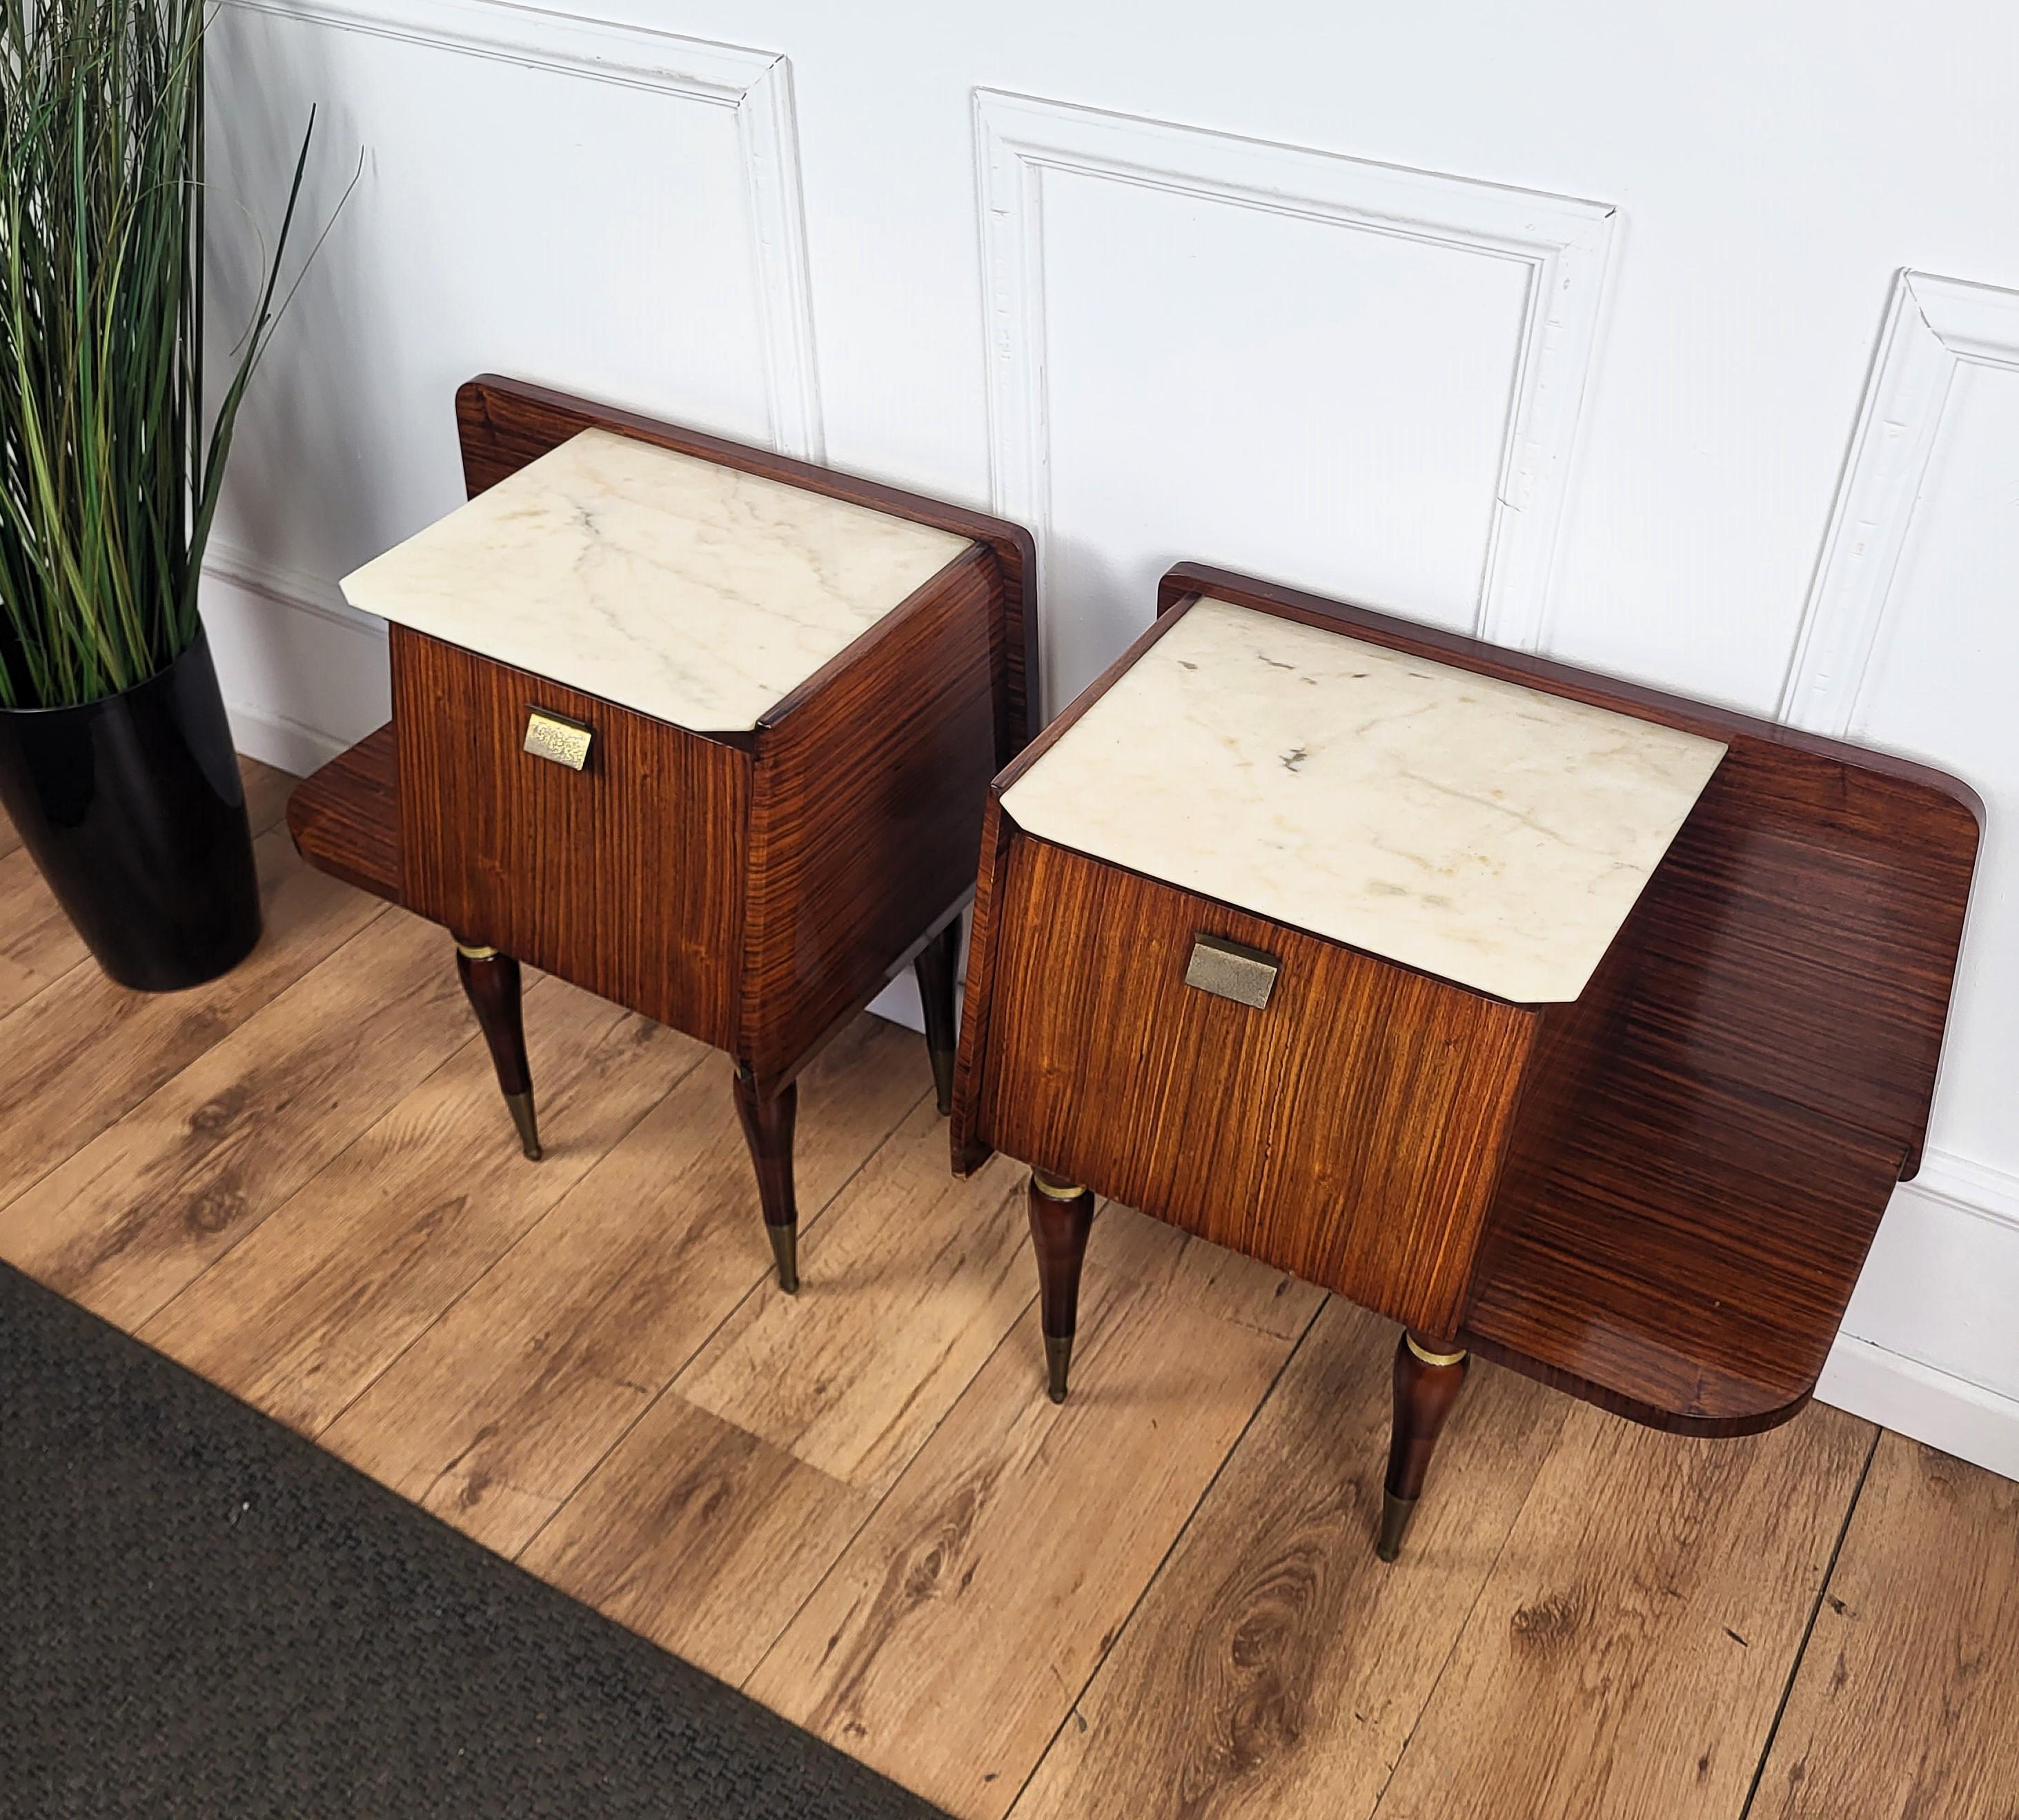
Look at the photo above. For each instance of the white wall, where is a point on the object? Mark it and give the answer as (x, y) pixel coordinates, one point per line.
(1253, 285)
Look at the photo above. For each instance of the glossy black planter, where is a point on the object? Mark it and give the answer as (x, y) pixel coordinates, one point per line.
(133, 808)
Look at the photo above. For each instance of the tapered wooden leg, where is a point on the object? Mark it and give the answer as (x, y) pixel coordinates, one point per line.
(491, 982)
(767, 1129)
(1061, 1215)
(1427, 1377)
(935, 966)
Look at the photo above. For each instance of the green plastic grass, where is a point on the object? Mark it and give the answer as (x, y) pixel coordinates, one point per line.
(110, 475)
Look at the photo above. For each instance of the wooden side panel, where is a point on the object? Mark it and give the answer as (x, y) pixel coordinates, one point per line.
(1687, 1256)
(971, 1149)
(1803, 937)
(868, 790)
(346, 818)
(625, 878)
(1350, 1133)
(971, 1145)
(1682, 1247)
(1577, 1045)
(505, 423)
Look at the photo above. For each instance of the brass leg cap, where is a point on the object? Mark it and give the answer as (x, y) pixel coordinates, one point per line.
(521, 1108)
(943, 1079)
(1395, 1514)
(1058, 1358)
(785, 1248)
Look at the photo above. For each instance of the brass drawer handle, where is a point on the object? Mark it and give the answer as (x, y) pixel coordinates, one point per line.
(1229, 969)
(556, 736)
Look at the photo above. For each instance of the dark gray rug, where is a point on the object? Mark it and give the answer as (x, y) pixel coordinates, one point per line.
(202, 1614)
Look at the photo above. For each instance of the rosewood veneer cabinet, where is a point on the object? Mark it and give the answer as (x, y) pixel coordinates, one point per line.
(704, 730)
(1559, 1021)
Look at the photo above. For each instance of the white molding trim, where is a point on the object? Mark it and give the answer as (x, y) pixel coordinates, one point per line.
(295, 588)
(1922, 1402)
(768, 133)
(281, 741)
(1933, 326)
(300, 655)
(755, 86)
(1566, 242)
(1982, 1189)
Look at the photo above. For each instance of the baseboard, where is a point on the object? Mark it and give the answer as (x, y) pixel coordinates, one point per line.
(233, 566)
(276, 740)
(304, 677)
(1931, 1344)
(1911, 1398)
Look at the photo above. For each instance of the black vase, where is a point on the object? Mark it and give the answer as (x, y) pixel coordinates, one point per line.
(133, 808)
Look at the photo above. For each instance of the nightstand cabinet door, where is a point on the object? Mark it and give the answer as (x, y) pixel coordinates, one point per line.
(624, 876)
(1350, 1130)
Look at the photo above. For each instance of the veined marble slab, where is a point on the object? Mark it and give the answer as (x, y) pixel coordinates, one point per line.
(1469, 827)
(654, 579)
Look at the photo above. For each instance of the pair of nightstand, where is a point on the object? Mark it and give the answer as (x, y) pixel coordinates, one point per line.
(1559, 1021)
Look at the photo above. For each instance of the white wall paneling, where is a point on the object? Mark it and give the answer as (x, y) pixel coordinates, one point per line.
(753, 87)
(1909, 641)
(1934, 327)
(1441, 328)
(609, 208)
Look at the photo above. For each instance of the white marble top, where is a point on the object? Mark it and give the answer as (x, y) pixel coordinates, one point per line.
(1469, 827)
(656, 580)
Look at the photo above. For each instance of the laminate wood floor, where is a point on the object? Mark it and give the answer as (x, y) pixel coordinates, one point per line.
(1160, 1600)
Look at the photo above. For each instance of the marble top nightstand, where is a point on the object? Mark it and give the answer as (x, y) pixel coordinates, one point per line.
(693, 593)
(1450, 822)
(704, 730)
(1553, 1018)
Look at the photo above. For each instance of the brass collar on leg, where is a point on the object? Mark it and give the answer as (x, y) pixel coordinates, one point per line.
(471, 950)
(1055, 1191)
(1432, 1358)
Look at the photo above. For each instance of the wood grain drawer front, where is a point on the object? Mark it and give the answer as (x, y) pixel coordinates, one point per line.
(625, 876)
(1349, 1132)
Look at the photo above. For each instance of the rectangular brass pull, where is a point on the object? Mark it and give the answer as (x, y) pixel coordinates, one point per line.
(556, 736)
(1229, 969)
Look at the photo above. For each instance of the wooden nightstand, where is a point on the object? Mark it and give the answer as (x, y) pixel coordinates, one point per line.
(1557, 1020)
(702, 729)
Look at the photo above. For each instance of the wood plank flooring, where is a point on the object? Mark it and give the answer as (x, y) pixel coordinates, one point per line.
(1158, 1602)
